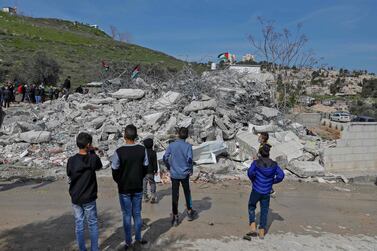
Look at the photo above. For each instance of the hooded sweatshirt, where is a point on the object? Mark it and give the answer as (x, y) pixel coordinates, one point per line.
(179, 159)
(263, 173)
(152, 156)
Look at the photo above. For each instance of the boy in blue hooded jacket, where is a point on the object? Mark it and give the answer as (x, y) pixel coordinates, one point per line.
(263, 173)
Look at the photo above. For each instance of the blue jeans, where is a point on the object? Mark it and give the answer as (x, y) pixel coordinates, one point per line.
(131, 207)
(264, 200)
(88, 211)
(38, 99)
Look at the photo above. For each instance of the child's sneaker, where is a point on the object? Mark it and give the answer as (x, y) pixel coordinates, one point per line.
(191, 215)
(146, 198)
(175, 221)
(154, 200)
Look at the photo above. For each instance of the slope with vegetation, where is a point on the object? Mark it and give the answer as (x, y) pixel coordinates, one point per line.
(77, 48)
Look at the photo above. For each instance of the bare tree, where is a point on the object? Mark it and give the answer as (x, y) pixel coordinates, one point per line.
(124, 37)
(282, 50)
(114, 31)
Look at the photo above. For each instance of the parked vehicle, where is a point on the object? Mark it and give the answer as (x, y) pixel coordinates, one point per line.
(340, 117)
(364, 119)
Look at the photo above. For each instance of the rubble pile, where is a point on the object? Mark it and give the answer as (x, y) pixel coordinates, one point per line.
(223, 120)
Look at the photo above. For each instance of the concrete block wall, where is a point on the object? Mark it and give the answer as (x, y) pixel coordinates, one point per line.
(356, 151)
(309, 120)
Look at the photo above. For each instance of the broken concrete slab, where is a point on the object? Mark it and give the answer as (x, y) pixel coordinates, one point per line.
(98, 122)
(102, 101)
(304, 169)
(153, 118)
(35, 137)
(200, 105)
(167, 100)
(268, 112)
(25, 126)
(128, 94)
(206, 152)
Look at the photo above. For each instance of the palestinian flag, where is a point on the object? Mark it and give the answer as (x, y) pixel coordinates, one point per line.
(224, 56)
(135, 72)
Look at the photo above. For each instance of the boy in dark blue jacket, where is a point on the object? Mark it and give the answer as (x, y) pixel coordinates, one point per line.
(179, 161)
(81, 170)
(263, 173)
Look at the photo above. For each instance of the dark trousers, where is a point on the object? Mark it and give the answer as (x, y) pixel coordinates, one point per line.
(175, 193)
(6, 103)
(264, 200)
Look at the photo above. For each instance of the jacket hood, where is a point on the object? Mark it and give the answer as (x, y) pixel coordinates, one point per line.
(266, 166)
(148, 143)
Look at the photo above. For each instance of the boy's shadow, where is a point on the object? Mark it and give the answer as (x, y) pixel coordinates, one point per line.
(270, 218)
(162, 193)
(161, 226)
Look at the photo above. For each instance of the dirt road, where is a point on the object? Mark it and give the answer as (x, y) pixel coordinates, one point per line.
(37, 216)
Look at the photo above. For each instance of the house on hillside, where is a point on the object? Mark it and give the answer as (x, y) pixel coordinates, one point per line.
(10, 10)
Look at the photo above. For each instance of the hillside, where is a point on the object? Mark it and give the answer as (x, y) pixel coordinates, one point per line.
(78, 48)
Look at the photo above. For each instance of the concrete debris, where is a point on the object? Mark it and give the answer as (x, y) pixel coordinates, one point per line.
(223, 110)
(200, 105)
(35, 137)
(168, 100)
(128, 94)
(305, 169)
(206, 152)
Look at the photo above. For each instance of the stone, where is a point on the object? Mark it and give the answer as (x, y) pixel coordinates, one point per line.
(98, 122)
(128, 94)
(268, 112)
(200, 105)
(88, 106)
(168, 100)
(206, 152)
(25, 126)
(305, 169)
(153, 118)
(102, 101)
(35, 137)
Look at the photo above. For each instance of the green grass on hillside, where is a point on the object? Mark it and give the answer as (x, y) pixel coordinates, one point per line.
(77, 48)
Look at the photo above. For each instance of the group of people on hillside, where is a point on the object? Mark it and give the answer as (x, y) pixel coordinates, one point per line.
(134, 166)
(34, 93)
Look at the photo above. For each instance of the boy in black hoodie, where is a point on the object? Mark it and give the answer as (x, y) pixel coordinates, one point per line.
(83, 189)
(151, 171)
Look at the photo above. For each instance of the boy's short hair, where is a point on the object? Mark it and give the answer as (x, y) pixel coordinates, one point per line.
(264, 151)
(83, 139)
(183, 133)
(265, 136)
(130, 132)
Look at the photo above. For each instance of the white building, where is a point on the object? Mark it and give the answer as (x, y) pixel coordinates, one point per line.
(248, 57)
(10, 10)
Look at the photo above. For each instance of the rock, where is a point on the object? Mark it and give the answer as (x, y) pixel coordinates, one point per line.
(200, 105)
(167, 100)
(153, 118)
(35, 137)
(206, 152)
(169, 127)
(98, 122)
(268, 112)
(25, 127)
(102, 101)
(305, 169)
(128, 94)
(88, 106)
(53, 124)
